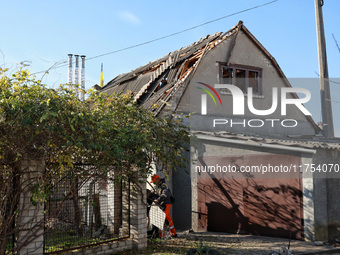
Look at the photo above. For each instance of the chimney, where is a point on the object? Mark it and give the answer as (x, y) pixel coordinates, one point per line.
(82, 94)
(76, 70)
(69, 69)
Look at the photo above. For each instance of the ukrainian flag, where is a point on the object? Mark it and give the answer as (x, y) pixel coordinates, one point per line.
(102, 77)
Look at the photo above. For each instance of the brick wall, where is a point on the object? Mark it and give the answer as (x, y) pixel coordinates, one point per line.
(138, 217)
(30, 217)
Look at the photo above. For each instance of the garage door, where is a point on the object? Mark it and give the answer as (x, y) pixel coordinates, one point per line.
(261, 203)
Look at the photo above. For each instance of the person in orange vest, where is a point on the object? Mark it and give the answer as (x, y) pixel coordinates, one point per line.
(165, 200)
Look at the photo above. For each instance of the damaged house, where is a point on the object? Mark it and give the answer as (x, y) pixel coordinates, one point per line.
(253, 160)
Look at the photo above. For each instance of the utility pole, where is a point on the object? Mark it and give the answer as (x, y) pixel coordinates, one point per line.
(326, 103)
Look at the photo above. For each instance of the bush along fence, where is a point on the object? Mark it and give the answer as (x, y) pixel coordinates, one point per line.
(93, 215)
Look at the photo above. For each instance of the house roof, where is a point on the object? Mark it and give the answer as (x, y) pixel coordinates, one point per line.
(156, 83)
(307, 142)
(162, 82)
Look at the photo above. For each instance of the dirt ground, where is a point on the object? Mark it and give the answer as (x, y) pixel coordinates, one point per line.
(232, 244)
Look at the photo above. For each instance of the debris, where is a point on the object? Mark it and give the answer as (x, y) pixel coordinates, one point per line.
(85, 230)
(318, 243)
(286, 251)
(98, 233)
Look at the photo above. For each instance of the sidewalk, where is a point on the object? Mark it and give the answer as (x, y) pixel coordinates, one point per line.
(255, 245)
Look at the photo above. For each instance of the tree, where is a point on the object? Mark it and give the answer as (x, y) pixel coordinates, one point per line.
(81, 139)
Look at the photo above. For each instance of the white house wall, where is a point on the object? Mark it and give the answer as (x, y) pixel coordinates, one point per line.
(244, 52)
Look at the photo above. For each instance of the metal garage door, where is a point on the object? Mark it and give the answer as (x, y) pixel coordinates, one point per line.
(267, 204)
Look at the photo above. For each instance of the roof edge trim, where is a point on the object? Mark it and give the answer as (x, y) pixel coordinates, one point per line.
(259, 145)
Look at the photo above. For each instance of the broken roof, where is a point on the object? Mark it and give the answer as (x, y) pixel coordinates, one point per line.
(155, 84)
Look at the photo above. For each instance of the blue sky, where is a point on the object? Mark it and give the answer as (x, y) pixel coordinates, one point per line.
(43, 32)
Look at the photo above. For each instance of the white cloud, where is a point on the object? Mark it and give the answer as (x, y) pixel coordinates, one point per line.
(128, 17)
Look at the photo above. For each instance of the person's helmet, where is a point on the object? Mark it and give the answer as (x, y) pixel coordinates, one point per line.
(154, 178)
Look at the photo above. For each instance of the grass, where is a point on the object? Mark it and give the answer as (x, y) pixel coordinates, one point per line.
(173, 246)
(59, 240)
(160, 247)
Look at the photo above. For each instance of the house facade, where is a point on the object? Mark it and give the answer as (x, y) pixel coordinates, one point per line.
(253, 142)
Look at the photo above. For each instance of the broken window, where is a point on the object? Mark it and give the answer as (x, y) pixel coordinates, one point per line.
(242, 77)
(253, 78)
(240, 80)
(227, 75)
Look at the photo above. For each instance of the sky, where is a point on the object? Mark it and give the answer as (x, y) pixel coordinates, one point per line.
(42, 32)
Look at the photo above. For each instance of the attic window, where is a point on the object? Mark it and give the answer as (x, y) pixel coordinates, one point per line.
(227, 75)
(241, 76)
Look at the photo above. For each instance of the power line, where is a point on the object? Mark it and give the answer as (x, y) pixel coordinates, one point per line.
(335, 82)
(336, 43)
(62, 62)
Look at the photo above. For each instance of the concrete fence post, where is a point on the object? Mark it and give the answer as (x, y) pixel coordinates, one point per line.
(30, 238)
(138, 216)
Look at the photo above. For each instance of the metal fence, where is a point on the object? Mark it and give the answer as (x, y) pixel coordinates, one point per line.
(10, 244)
(82, 214)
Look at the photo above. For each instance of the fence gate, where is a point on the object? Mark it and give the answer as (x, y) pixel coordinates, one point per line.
(83, 213)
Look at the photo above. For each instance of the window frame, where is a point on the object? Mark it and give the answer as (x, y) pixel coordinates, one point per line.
(247, 69)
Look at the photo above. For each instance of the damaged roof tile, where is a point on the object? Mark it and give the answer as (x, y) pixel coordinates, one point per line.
(155, 83)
